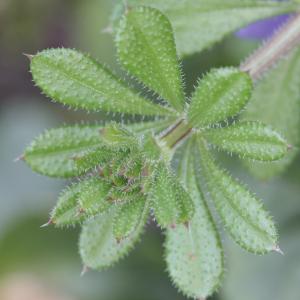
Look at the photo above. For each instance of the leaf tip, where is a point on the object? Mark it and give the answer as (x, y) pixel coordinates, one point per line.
(277, 249)
(84, 270)
(29, 56)
(50, 222)
(19, 158)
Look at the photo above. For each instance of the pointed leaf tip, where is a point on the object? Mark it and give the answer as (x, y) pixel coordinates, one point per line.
(85, 269)
(50, 222)
(29, 56)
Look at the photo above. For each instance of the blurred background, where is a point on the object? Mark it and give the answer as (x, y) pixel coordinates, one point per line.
(44, 264)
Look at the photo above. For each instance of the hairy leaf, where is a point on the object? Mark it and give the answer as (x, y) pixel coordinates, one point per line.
(129, 217)
(72, 150)
(192, 18)
(98, 246)
(249, 139)
(242, 213)
(76, 80)
(117, 135)
(221, 94)
(194, 254)
(80, 201)
(54, 152)
(278, 105)
(93, 197)
(171, 203)
(146, 49)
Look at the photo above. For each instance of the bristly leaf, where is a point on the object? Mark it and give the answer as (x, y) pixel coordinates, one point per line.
(93, 196)
(278, 105)
(249, 140)
(221, 94)
(98, 246)
(81, 201)
(146, 49)
(129, 216)
(71, 151)
(171, 203)
(54, 152)
(76, 80)
(198, 24)
(115, 134)
(243, 214)
(194, 255)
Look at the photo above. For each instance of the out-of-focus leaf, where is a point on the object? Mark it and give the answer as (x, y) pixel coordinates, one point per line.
(249, 140)
(194, 254)
(76, 80)
(242, 214)
(221, 94)
(192, 18)
(276, 101)
(146, 49)
(98, 246)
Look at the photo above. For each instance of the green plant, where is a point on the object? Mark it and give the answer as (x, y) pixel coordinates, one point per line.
(124, 172)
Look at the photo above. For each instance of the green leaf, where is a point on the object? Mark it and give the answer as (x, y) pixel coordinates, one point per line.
(71, 151)
(192, 18)
(129, 217)
(67, 211)
(242, 213)
(221, 94)
(115, 134)
(76, 80)
(146, 49)
(278, 105)
(54, 152)
(171, 203)
(98, 246)
(249, 140)
(194, 255)
(93, 197)
(80, 201)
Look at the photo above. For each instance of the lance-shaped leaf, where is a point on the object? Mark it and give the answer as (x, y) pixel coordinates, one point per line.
(76, 80)
(147, 50)
(278, 105)
(221, 94)
(98, 246)
(191, 19)
(129, 216)
(71, 151)
(54, 152)
(242, 213)
(249, 139)
(93, 197)
(194, 255)
(171, 203)
(117, 135)
(80, 201)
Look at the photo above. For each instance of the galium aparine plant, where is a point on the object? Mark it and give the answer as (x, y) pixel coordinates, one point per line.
(123, 173)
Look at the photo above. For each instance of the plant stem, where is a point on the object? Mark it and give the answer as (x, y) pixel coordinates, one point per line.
(279, 45)
(175, 133)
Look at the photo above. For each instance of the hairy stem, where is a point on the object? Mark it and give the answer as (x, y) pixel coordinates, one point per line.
(279, 45)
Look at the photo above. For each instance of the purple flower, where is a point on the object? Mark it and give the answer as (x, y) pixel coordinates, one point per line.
(262, 29)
